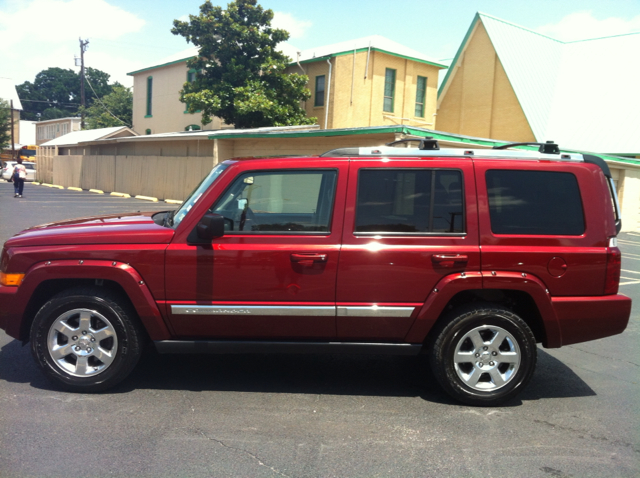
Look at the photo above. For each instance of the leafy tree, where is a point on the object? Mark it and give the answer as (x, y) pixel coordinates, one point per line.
(241, 76)
(114, 109)
(59, 89)
(5, 124)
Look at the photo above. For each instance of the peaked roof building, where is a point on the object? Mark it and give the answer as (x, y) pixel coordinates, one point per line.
(507, 82)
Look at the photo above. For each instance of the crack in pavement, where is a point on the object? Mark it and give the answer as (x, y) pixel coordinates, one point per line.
(255, 457)
(585, 434)
(602, 356)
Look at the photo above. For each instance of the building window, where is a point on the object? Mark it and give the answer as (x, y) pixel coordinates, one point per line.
(319, 100)
(389, 89)
(421, 95)
(148, 131)
(193, 127)
(149, 94)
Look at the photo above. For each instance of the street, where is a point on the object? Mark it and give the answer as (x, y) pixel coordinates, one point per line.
(314, 415)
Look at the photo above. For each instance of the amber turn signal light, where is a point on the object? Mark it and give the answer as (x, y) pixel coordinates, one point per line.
(13, 280)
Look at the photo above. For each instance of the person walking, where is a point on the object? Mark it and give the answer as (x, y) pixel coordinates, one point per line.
(19, 175)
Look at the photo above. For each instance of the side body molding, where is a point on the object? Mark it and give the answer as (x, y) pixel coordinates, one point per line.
(123, 274)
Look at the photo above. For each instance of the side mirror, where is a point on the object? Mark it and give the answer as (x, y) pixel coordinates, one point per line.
(210, 226)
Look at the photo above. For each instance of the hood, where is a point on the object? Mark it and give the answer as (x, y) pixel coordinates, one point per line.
(132, 228)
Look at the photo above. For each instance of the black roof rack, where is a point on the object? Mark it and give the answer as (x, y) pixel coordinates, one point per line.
(426, 144)
(547, 148)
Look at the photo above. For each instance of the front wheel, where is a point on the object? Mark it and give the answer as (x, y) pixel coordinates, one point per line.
(483, 354)
(86, 339)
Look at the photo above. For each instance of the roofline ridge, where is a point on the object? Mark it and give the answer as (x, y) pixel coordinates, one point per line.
(481, 14)
(603, 38)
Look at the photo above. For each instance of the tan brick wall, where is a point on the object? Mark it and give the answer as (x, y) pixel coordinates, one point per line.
(480, 100)
(356, 101)
(168, 112)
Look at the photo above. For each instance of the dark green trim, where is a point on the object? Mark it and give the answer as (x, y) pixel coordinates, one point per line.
(458, 53)
(385, 97)
(360, 50)
(148, 116)
(149, 96)
(423, 102)
(324, 90)
(159, 66)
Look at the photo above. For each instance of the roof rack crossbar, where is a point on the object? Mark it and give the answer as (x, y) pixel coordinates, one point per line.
(426, 144)
(547, 148)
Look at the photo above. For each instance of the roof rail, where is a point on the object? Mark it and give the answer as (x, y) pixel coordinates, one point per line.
(547, 148)
(426, 144)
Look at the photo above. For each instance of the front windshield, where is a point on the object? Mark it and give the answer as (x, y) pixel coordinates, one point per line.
(27, 152)
(197, 193)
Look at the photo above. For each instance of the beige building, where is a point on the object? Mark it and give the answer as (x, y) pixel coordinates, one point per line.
(370, 81)
(156, 98)
(51, 129)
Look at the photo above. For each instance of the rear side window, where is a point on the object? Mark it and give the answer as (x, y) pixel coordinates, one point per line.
(409, 201)
(534, 202)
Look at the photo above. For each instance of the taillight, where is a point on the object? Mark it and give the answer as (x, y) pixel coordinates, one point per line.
(612, 276)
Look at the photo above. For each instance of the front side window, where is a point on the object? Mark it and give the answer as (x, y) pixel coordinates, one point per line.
(149, 95)
(421, 94)
(534, 202)
(279, 202)
(409, 201)
(319, 98)
(389, 89)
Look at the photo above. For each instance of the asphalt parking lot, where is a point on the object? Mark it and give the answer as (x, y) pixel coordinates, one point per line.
(314, 416)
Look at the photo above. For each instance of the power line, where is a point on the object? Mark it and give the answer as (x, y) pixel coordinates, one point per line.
(103, 105)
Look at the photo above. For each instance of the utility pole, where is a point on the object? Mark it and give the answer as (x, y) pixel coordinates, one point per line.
(83, 48)
(13, 142)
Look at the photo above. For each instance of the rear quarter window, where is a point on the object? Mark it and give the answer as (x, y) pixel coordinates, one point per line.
(534, 202)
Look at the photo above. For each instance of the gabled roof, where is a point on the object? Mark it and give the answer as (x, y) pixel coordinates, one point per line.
(580, 94)
(375, 42)
(8, 92)
(75, 137)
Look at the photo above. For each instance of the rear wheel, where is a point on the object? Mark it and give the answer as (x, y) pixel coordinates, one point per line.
(483, 354)
(86, 339)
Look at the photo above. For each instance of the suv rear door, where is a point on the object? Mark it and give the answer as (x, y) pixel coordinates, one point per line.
(408, 223)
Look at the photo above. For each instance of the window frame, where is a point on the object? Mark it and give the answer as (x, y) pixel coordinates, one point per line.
(316, 103)
(392, 85)
(421, 101)
(419, 234)
(331, 206)
(149, 109)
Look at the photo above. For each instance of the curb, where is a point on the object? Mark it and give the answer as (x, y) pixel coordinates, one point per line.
(47, 185)
(147, 198)
(173, 201)
(121, 195)
(57, 186)
(71, 188)
(97, 191)
(35, 183)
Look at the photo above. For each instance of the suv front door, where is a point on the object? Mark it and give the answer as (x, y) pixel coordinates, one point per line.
(273, 274)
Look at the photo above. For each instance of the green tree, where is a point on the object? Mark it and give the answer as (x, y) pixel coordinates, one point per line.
(5, 124)
(241, 75)
(58, 90)
(114, 109)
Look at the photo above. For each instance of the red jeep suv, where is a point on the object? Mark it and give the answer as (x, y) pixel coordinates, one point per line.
(471, 257)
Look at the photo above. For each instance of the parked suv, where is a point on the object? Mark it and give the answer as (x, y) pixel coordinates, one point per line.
(471, 257)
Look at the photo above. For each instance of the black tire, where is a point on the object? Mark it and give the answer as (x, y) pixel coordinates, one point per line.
(483, 354)
(97, 359)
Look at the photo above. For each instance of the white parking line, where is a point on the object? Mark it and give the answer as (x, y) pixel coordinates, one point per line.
(631, 272)
(630, 282)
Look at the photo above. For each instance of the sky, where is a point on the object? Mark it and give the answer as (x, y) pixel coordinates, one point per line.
(127, 35)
